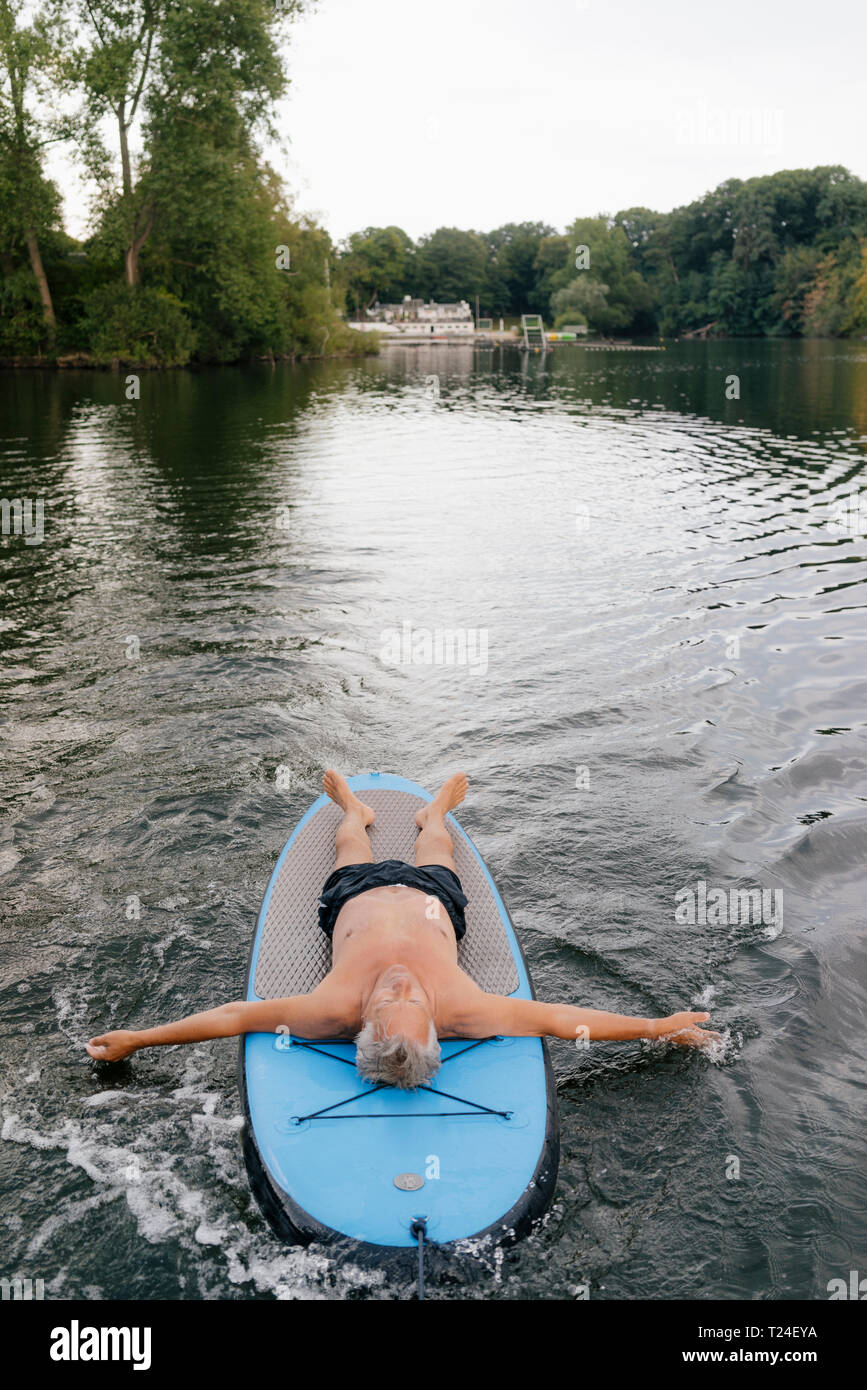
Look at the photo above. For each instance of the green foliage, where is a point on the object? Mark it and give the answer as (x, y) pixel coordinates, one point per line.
(794, 278)
(512, 275)
(581, 301)
(608, 262)
(776, 255)
(552, 254)
(29, 203)
(139, 326)
(378, 263)
(22, 324)
(185, 258)
(857, 320)
(831, 302)
(451, 265)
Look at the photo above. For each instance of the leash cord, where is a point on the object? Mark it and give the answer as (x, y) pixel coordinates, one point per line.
(418, 1229)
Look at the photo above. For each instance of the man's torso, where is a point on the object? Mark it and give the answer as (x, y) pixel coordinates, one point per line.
(399, 926)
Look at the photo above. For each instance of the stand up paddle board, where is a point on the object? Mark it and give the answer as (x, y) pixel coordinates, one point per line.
(473, 1154)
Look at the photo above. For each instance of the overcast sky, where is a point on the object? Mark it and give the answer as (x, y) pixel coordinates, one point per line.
(471, 113)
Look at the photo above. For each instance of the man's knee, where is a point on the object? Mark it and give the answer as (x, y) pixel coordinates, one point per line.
(435, 846)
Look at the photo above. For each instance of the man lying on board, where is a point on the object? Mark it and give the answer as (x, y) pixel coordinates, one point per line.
(395, 985)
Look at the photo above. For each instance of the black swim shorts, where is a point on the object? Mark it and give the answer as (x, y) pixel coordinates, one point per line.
(434, 879)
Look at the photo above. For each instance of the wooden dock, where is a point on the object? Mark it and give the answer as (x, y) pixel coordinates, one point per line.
(509, 339)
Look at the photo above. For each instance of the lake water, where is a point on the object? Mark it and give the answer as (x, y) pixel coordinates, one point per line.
(662, 591)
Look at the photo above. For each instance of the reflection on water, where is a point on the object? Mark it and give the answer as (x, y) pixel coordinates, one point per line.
(670, 588)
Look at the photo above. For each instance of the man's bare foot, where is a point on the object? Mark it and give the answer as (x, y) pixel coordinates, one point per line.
(450, 795)
(340, 791)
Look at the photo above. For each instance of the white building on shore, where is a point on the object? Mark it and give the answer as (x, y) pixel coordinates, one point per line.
(413, 318)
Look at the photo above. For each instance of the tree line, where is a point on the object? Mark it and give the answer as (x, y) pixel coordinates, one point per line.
(196, 254)
(783, 255)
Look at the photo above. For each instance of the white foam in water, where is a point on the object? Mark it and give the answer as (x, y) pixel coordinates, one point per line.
(728, 1045)
(71, 1013)
(489, 1254)
(210, 1235)
(103, 1098)
(132, 1156)
(718, 1051)
(726, 1049)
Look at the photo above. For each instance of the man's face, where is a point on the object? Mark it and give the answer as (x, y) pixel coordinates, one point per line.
(398, 1004)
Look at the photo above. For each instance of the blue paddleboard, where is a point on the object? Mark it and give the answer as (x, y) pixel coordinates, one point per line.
(327, 1153)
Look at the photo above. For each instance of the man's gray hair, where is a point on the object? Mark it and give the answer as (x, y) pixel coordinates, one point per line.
(397, 1060)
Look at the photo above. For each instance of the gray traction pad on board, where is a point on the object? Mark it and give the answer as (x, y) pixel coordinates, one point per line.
(294, 955)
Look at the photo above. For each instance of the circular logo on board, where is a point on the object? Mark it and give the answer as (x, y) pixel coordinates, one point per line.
(409, 1182)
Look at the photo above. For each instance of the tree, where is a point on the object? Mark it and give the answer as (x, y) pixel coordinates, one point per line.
(377, 263)
(582, 301)
(179, 74)
(111, 62)
(739, 255)
(452, 265)
(217, 74)
(857, 320)
(551, 269)
(641, 225)
(831, 301)
(793, 280)
(32, 204)
(511, 281)
(602, 253)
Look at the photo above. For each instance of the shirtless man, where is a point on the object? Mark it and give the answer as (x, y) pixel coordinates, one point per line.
(395, 985)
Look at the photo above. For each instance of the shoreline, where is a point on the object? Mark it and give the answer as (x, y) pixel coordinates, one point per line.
(74, 362)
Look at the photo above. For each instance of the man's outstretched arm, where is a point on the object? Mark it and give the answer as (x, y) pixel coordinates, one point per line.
(301, 1013)
(529, 1018)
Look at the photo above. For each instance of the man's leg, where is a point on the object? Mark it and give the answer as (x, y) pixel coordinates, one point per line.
(434, 844)
(353, 845)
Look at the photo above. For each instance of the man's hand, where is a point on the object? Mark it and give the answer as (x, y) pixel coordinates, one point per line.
(681, 1029)
(111, 1047)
